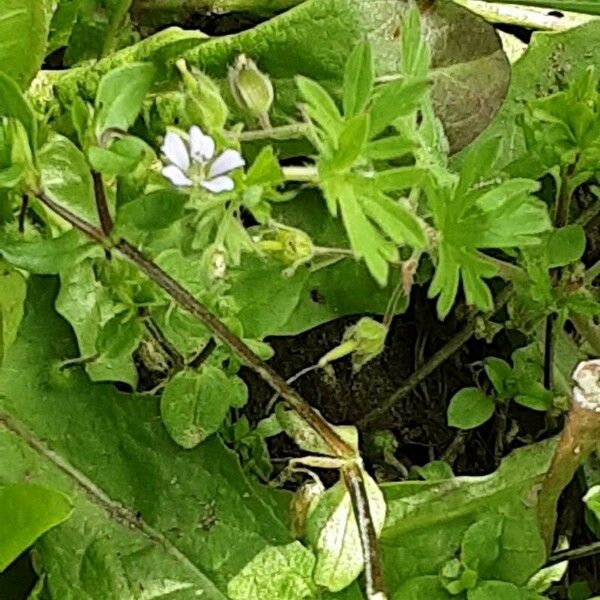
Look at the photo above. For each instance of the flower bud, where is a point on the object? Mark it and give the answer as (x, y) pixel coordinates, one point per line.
(251, 88)
(293, 247)
(204, 103)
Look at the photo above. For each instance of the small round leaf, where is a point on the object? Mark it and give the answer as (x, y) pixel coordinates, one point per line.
(469, 408)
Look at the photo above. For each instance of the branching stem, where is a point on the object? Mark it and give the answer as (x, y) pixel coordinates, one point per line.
(351, 472)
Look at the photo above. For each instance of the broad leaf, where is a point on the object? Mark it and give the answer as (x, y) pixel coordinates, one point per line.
(147, 514)
(120, 96)
(469, 408)
(283, 572)
(23, 34)
(470, 70)
(27, 512)
(194, 403)
(427, 521)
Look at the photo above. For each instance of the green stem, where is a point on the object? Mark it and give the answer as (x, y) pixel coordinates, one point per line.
(588, 330)
(284, 132)
(307, 174)
(592, 273)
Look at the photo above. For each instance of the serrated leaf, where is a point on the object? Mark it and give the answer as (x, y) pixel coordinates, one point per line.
(283, 572)
(26, 512)
(194, 404)
(469, 408)
(358, 79)
(149, 517)
(333, 534)
(23, 34)
(395, 100)
(120, 96)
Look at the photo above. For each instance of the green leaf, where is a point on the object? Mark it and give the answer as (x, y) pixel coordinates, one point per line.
(47, 256)
(428, 587)
(120, 96)
(13, 287)
(61, 26)
(66, 177)
(194, 403)
(359, 77)
(536, 71)
(117, 341)
(350, 144)
(151, 212)
(480, 546)
(427, 521)
(13, 104)
(566, 245)
(495, 590)
(500, 374)
(395, 100)
(283, 572)
(322, 109)
(148, 515)
(469, 408)
(314, 39)
(26, 512)
(23, 34)
(534, 395)
(332, 532)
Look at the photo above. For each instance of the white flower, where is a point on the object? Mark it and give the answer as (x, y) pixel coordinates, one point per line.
(194, 162)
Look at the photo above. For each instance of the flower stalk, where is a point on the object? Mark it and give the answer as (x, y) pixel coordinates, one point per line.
(580, 436)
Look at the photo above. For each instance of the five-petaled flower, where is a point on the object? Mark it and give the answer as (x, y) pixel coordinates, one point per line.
(195, 163)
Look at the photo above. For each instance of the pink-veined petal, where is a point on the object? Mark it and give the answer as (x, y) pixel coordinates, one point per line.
(176, 176)
(218, 184)
(202, 147)
(226, 161)
(175, 150)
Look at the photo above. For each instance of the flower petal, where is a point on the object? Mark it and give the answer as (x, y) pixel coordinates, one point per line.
(225, 162)
(218, 184)
(202, 147)
(176, 176)
(175, 150)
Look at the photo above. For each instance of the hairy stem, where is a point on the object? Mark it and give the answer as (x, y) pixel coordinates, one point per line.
(284, 132)
(587, 329)
(351, 471)
(443, 354)
(306, 174)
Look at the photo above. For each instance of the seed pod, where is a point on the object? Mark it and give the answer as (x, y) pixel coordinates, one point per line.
(251, 89)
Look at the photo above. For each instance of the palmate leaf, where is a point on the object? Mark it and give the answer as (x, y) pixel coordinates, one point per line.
(469, 219)
(150, 519)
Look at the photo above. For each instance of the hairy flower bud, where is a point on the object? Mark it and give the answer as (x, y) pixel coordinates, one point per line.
(251, 88)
